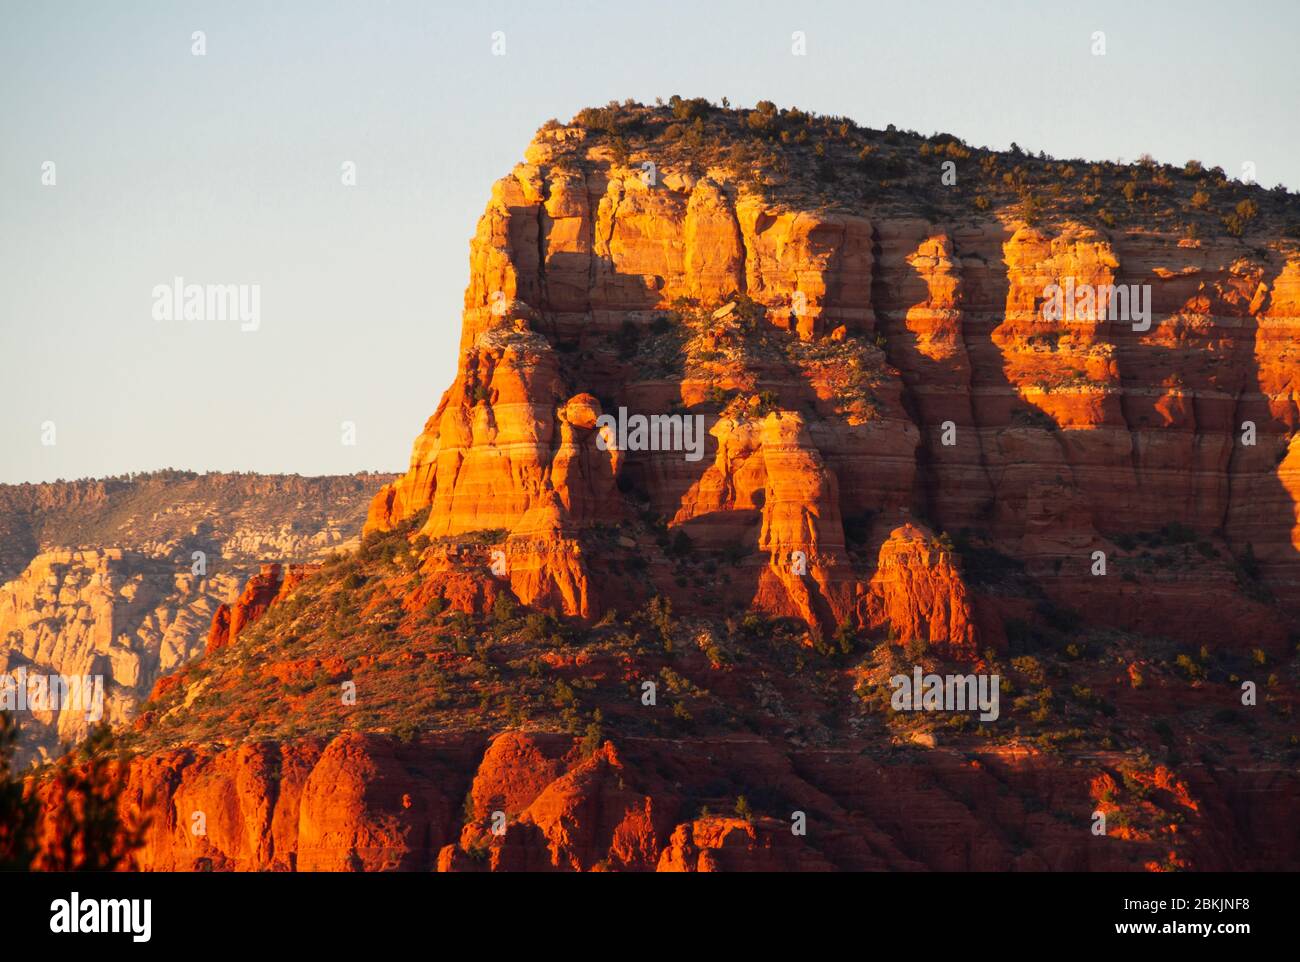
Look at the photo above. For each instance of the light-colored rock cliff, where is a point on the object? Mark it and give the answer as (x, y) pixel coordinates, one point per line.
(152, 562)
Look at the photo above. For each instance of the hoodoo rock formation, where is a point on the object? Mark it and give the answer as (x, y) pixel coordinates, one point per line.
(260, 592)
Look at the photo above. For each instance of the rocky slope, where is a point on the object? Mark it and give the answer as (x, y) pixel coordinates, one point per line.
(559, 650)
(122, 577)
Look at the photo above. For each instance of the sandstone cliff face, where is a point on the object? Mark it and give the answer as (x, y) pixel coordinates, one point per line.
(561, 263)
(131, 605)
(919, 379)
(120, 615)
(536, 803)
(352, 804)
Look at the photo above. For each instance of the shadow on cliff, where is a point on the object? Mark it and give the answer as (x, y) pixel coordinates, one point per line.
(1262, 517)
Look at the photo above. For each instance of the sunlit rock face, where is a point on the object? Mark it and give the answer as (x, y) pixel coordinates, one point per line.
(874, 369)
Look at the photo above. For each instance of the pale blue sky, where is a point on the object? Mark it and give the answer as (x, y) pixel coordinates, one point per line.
(225, 169)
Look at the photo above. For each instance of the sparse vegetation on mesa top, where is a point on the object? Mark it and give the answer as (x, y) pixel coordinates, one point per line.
(809, 160)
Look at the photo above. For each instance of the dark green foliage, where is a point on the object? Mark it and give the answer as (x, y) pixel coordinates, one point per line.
(681, 545)
(84, 819)
(17, 814)
(504, 608)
